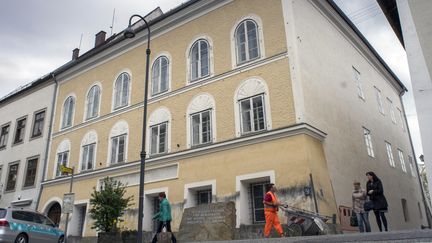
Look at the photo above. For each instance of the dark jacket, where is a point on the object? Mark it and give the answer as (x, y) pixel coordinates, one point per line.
(377, 196)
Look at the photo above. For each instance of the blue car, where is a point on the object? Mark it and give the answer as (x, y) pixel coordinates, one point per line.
(26, 226)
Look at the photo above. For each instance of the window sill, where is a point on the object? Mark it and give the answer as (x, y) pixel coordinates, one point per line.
(35, 137)
(18, 143)
(159, 93)
(197, 80)
(90, 118)
(9, 191)
(201, 145)
(120, 108)
(28, 187)
(2, 148)
(247, 62)
(253, 133)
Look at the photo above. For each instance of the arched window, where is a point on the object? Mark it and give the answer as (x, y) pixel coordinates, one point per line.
(88, 151)
(201, 120)
(159, 130)
(121, 90)
(63, 151)
(247, 41)
(160, 75)
(92, 106)
(252, 107)
(68, 110)
(118, 143)
(199, 60)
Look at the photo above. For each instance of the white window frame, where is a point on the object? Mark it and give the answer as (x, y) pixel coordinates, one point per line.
(4, 142)
(402, 160)
(391, 110)
(368, 142)
(200, 127)
(243, 24)
(115, 150)
(68, 112)
(200, 75)
(251, 114)
(116, 106)
(359, 84)
(159, 80)
(158, 127)
(63, 147)
(390, 154)
(91, 110)
(58, 173)
(259, 23)
(26, 176)
(188, 55)
(17, 163)
(379, 100)
(90, 139)
(190, 190)
(201, 102)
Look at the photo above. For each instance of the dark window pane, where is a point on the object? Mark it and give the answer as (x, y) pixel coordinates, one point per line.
(31, 172)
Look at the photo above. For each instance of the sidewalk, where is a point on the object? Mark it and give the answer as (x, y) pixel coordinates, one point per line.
(406, 236)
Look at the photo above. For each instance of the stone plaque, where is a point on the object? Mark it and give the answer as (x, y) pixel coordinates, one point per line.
(215, 221)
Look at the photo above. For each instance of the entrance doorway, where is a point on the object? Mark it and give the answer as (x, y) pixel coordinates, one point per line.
(54, 213)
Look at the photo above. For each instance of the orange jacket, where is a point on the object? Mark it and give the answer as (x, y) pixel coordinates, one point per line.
(273, 207)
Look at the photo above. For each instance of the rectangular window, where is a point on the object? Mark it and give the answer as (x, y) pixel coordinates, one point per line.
(62, 159)
(201, 128)
(88, 153)
(412, 167)
(12, 177)
(368, 142)
(258, 191)
(204, 197)
(252, 114)
(401, 119)
(405, 209)
(118, 145)
(402, 161)
(391, 110)
(158, 143)
(379, 100)
(357, 78)
(4, 135)
(30, 176)
(20, 130)
(390, 154)
(38, 124)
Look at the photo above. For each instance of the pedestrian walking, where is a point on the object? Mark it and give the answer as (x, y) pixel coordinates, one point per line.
(271, 208)
(375, 191)
(164, 217)
(358, 199)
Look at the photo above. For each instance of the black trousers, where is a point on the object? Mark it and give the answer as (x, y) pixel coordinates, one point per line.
(166, 224)
(379, 215)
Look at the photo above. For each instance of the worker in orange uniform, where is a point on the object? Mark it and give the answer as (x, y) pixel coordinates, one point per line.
(271, 208)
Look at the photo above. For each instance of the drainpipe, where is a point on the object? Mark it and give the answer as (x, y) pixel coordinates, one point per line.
(427, 211)
(49, 139)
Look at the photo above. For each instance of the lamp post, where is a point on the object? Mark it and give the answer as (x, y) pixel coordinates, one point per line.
(129, 33)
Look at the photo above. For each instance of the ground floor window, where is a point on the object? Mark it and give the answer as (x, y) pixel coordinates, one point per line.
(204, 196)
(257, 192)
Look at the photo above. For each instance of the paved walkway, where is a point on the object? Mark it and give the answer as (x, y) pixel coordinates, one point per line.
(406, 236)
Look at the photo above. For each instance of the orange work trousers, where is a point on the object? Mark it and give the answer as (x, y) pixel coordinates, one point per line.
(272, 219)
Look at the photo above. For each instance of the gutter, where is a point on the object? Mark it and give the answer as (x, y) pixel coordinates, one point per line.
(426, 207)
(53, 76)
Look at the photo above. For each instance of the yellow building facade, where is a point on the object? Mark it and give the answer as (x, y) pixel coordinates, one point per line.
(221, 118)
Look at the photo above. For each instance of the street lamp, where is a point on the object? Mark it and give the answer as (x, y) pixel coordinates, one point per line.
(129, 33)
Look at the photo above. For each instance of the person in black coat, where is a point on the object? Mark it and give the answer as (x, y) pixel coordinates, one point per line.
(375, 191)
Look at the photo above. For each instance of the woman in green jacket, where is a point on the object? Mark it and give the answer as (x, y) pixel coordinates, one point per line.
(164, 217)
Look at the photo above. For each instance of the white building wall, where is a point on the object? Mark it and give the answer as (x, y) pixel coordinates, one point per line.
(416, 21)
(24, 105)
(322, 57)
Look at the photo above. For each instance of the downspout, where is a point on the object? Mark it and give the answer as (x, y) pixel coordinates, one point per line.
(426, 207)
(49, 139)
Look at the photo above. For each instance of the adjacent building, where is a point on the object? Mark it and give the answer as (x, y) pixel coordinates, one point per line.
(242, 93)
(411, 21)
(24, 135)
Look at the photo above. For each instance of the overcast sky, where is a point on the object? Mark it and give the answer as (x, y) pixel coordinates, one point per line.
(37, 36)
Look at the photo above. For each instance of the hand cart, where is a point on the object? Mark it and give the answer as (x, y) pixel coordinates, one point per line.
(302, 222)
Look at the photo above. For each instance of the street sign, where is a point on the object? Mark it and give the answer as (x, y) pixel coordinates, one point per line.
(68, 202)
(65, 169)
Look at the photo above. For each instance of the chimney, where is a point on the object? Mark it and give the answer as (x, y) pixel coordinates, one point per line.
(75, 53)
(100, 38)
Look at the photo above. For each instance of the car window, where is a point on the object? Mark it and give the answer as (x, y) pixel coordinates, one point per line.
(2, 213)
(22, 215)
(47, 221)
(37, 218)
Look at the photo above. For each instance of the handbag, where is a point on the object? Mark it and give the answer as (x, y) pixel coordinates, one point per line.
(368, 205)
(353, 219)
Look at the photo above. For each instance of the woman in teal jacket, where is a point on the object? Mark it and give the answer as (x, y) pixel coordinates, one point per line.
(164, 217)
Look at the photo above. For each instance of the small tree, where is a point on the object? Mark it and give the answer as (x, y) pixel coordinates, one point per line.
(108, 205)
